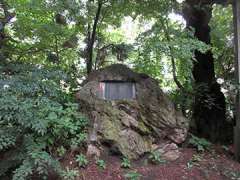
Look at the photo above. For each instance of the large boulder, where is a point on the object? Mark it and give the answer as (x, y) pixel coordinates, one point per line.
(131, 127)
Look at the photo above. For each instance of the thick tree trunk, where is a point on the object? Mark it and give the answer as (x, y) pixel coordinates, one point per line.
(209, 107)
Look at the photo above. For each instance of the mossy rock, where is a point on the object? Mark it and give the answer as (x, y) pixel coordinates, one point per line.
(130, 126)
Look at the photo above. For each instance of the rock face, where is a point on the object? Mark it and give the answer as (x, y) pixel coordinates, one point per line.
(131, 126)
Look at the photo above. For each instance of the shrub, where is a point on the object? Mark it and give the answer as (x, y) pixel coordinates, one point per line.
(69, 174)
(125, 163)
(101, 164)
(36, 114)
(133, 175)
(82, 160)
(61, 151)
(200, 143)
(155, 157)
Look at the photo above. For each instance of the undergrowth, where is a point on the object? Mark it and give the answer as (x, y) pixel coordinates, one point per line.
(37, 117)
(200, 144)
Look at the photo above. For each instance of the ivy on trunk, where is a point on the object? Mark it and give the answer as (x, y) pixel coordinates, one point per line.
(209, 107)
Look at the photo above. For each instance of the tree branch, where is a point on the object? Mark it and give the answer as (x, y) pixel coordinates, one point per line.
(99, 54)
(177, 82)
(56, 47)
(30, 50)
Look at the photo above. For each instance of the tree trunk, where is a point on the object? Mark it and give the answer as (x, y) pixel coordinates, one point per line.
(209, 106)
(236, 11)
(91, 39)
(3, 22)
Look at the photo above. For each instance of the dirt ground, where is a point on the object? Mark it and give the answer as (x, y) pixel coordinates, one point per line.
(215, 164)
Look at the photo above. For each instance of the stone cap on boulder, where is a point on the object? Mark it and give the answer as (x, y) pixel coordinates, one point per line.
(116, 72)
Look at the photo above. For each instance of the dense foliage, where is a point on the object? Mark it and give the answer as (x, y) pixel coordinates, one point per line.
(37, 116)
(223, 49)
(47, 46)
